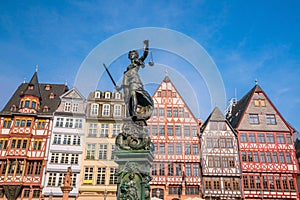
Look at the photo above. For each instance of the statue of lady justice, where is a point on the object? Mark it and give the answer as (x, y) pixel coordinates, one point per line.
(138, 101)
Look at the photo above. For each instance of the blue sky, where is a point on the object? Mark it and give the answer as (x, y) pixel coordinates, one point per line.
(247, 40)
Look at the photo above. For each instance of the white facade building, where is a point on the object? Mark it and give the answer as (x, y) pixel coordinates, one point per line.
(66, 144)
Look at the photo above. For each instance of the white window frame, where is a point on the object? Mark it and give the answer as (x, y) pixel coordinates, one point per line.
(75, 107)
(117, 110)
(94, 109)
(106, 110)
(67, 107)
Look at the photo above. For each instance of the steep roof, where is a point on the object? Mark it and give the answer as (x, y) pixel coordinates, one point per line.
(215, 115)
(55, 90)
(34, 83)
(240, 107)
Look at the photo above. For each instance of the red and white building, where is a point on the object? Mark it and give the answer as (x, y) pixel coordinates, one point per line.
(268, 155)
(25, 126)
(173, 131)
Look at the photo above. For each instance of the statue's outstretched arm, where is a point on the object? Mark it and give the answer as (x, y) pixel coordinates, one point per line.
(146, 50)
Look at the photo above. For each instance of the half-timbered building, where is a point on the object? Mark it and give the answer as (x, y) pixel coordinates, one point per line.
(268, 155)
(66, 144)
(173, 130)
(220, 161)
(25, 126)
(104, 114)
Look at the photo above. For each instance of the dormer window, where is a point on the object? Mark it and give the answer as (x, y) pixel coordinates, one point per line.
(30, 87)
(33, 105)
(47, 87)
(27, 103)
(107, 95)
(118, 95)
(97, 94)
(45, 109)
(13, 108)
(52, 95)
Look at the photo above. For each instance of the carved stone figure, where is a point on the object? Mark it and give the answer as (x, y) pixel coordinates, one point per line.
(67, 178)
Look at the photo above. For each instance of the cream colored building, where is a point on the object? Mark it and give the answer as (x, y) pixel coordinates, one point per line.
(104, 114)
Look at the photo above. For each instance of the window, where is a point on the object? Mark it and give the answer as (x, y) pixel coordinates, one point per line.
(113, 147)
(216, 184)
(175, 112)
(161, 148)
(94, 109)
(57, 139)
(231, 162)
(280, 138)
(188, 171)
(106, 110)
(100, 176)
(154, 112)
(88, 175)
(162, 112)
(117, 110)
(78, 123)
(292, 183)
(75, 107)
(288, 157)
(59, 122)
(170, 130)
(161, 169)
(213, 125)
(209, 142)
(107, 95)
(67, 107)
(54, 157)
(51, 179)
(194, 131)
(67, 139)
(217, 162)
(104, 130)
(210, 162)
(255, 156)
(74, 159)
(229, 143)
(27, 102)
(187, 148)
(271, 182)
(196, 170)
(116, 130)
(192, 190)
(195, 149)
(92, 130)
(17, 123)
(181, 112)
(243, 137)
(41, 124)
(277, 181)
(64, 158)
(7, 123)
(162, 130)
(102, 151)
(281, 156)
(97, 94)
(270, 138)
(174, 190)
(178, 149)
(154, 130)
(270, 119)
(288, 139)
(186, 131)
(268, 155)
(37, 145)
(253, 119)
(69, 123)
(252, 137)
(177, 131)
(284, 183)
(252, 186)
(275, 157)
(170, 170)
(262, 157)
(170, 149)
(208, 185)
(169, 112)
(154, 170)
(245, 180)
(178, 171)
(216, 143)
(261, 138)
(33, 105)
(38, 168)
(117, 95)
(90, 151)
(112, 178)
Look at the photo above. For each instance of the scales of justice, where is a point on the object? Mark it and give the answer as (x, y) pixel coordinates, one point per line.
(133, 151)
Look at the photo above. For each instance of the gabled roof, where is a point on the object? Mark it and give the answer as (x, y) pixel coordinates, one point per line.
(34, 82)
(76, 94)
(240, 107)
(215, 115)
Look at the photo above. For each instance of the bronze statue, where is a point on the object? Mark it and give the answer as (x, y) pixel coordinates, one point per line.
(138, 101)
